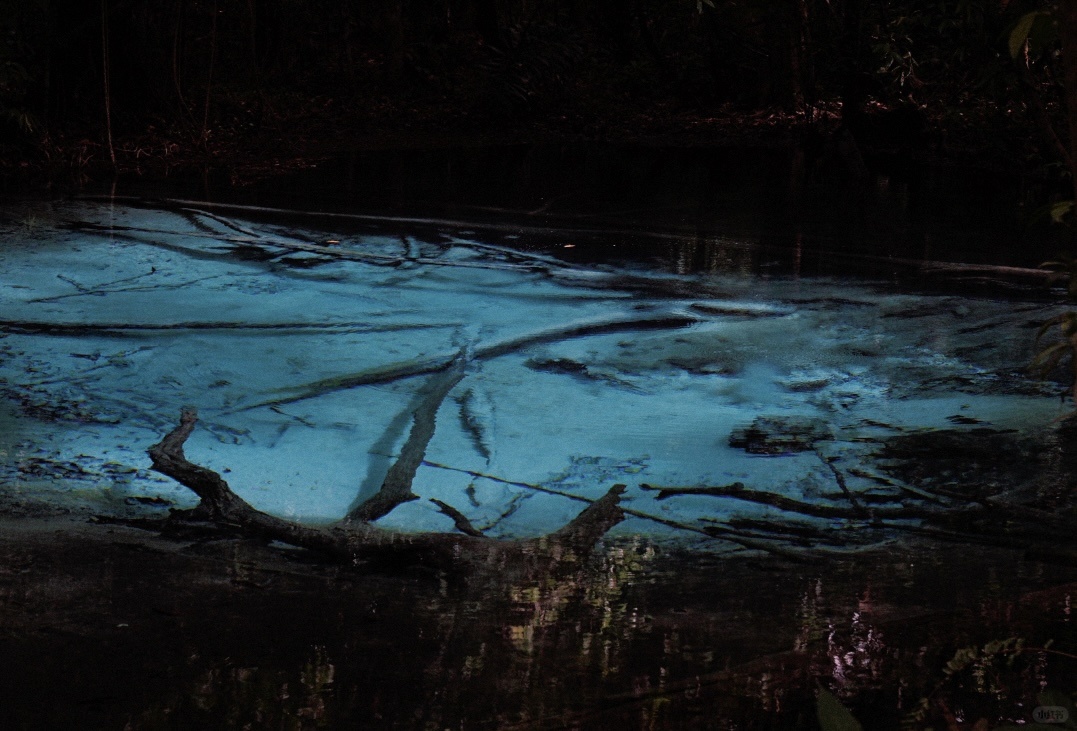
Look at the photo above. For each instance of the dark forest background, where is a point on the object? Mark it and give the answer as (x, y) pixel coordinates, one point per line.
(144, 82)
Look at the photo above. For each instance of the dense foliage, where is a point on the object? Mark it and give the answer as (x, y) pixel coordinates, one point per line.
(148, 79)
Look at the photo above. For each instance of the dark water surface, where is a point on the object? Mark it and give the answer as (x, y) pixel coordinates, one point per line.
(130, 633)
(109, 627)
(705, 204)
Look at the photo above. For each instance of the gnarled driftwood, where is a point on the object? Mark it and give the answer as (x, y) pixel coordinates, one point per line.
(357, 541)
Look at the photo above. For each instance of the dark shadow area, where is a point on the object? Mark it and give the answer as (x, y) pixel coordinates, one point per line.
(714, 209)
(110, 629)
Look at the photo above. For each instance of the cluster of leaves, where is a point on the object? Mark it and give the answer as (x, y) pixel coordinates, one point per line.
(699, 51)
(956, 44)
(1034, 34)
(1034, 45)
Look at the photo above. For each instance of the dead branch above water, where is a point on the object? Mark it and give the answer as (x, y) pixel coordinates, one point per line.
(355, 539)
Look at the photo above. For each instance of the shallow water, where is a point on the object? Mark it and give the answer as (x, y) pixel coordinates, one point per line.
(305, 343)
(305, 366)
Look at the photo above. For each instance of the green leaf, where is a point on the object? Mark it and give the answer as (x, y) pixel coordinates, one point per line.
(1038, 29)
(1020, 32)
(1060, 210)
(833, 716)
(964, 657)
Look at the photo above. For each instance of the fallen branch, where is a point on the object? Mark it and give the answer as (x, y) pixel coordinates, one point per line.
(662, 285)
(740, 492)
(915, 492)
(995, 523)
(102, 291)
(115, 328)
(436, 363)
(589, 526)
(725, 533)
(932, 267)
(396, 487)
(801, 532)
(194, 213)
(379, 219)
(291, 245)
(840, 479)
(459, 519)
(356, 542)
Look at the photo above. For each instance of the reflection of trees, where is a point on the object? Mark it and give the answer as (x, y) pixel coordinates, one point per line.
(922, 675)
(625, 639)
(535, 646)
(716, 254)
(230, 696)
(486, 653)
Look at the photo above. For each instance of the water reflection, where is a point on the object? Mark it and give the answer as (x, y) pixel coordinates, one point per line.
(700, 199)
(633, 639)
(713, 254)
